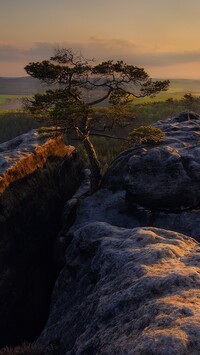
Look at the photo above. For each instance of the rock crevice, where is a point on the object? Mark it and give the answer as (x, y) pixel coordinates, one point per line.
(37, 177)
(131, 276)
(130, 284)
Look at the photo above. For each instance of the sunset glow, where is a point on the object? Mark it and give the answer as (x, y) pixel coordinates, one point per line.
(162, 36)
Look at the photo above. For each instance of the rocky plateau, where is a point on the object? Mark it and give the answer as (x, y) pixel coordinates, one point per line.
(130, 277)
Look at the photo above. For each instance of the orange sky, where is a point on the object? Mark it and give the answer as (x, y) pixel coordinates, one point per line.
(161, 36)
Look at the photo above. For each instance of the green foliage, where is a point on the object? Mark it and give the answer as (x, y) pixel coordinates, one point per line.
(107, 149)
(82, 152)
(74, 79)
(148, 113)
(43, 70)
(5, 99)
(48, 132)
(145, 134)
(14, 123)
(188, 101)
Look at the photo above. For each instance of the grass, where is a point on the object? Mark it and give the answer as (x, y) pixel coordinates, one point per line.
(5, 99)
(172, 93)
(15, 122)
(160, 97)
(177, 89)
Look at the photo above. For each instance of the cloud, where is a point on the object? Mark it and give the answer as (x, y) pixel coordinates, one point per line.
(100, 49)
(112, 43)
(38, 51)
(168, 58)
(138, 54)
(9, 53)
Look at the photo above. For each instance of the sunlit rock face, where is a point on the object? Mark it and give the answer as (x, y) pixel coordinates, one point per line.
(37, 176)
(164, 177)
(26, 153)
(126, 291)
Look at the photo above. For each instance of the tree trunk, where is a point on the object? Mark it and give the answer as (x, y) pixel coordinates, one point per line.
(95, 165)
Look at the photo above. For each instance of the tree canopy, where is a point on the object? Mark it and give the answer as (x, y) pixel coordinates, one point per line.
(77, 85)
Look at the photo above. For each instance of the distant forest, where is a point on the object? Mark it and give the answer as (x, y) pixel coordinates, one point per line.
(28, 86)
(20, 86)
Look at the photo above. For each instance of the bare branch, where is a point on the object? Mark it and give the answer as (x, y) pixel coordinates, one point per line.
(98, 101)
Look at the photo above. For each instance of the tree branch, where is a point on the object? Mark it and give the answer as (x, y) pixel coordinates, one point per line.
(108, 136)
(95, 102)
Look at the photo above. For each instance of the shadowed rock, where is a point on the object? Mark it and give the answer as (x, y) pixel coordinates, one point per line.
(112, 207)
(37, 176)
(186, 116)
(164, 177)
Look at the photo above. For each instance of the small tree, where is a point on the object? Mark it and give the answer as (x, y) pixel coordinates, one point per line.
(78, 85)
(188, 101)
(145, 134)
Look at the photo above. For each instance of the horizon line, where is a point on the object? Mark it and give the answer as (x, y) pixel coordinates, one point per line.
(154, 78)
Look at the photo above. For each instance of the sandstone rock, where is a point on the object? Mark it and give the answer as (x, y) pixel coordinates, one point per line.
(186, 116)
(165, 177)
(26, 153)
(105, 206)
(126, 291)
(135, 290)
(37, 176)
(83, 190)
(112, 207)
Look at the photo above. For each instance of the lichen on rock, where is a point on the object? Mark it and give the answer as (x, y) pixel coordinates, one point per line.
(126, 291)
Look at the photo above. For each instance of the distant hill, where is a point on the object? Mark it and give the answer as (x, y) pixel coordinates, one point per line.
(20, 86)
(187, 85)
(28, 86)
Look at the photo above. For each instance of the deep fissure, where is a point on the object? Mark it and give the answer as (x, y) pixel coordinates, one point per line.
(30, 218)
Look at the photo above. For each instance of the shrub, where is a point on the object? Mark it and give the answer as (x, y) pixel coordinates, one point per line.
(145, 134)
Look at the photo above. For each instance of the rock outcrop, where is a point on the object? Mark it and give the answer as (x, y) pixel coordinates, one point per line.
(131, 280)
(24, 154)
(37, 176)
(165, 177)
(114, 208)
(115, 202)
(126, 291)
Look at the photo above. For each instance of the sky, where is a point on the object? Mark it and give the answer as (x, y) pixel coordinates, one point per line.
(162, 36)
